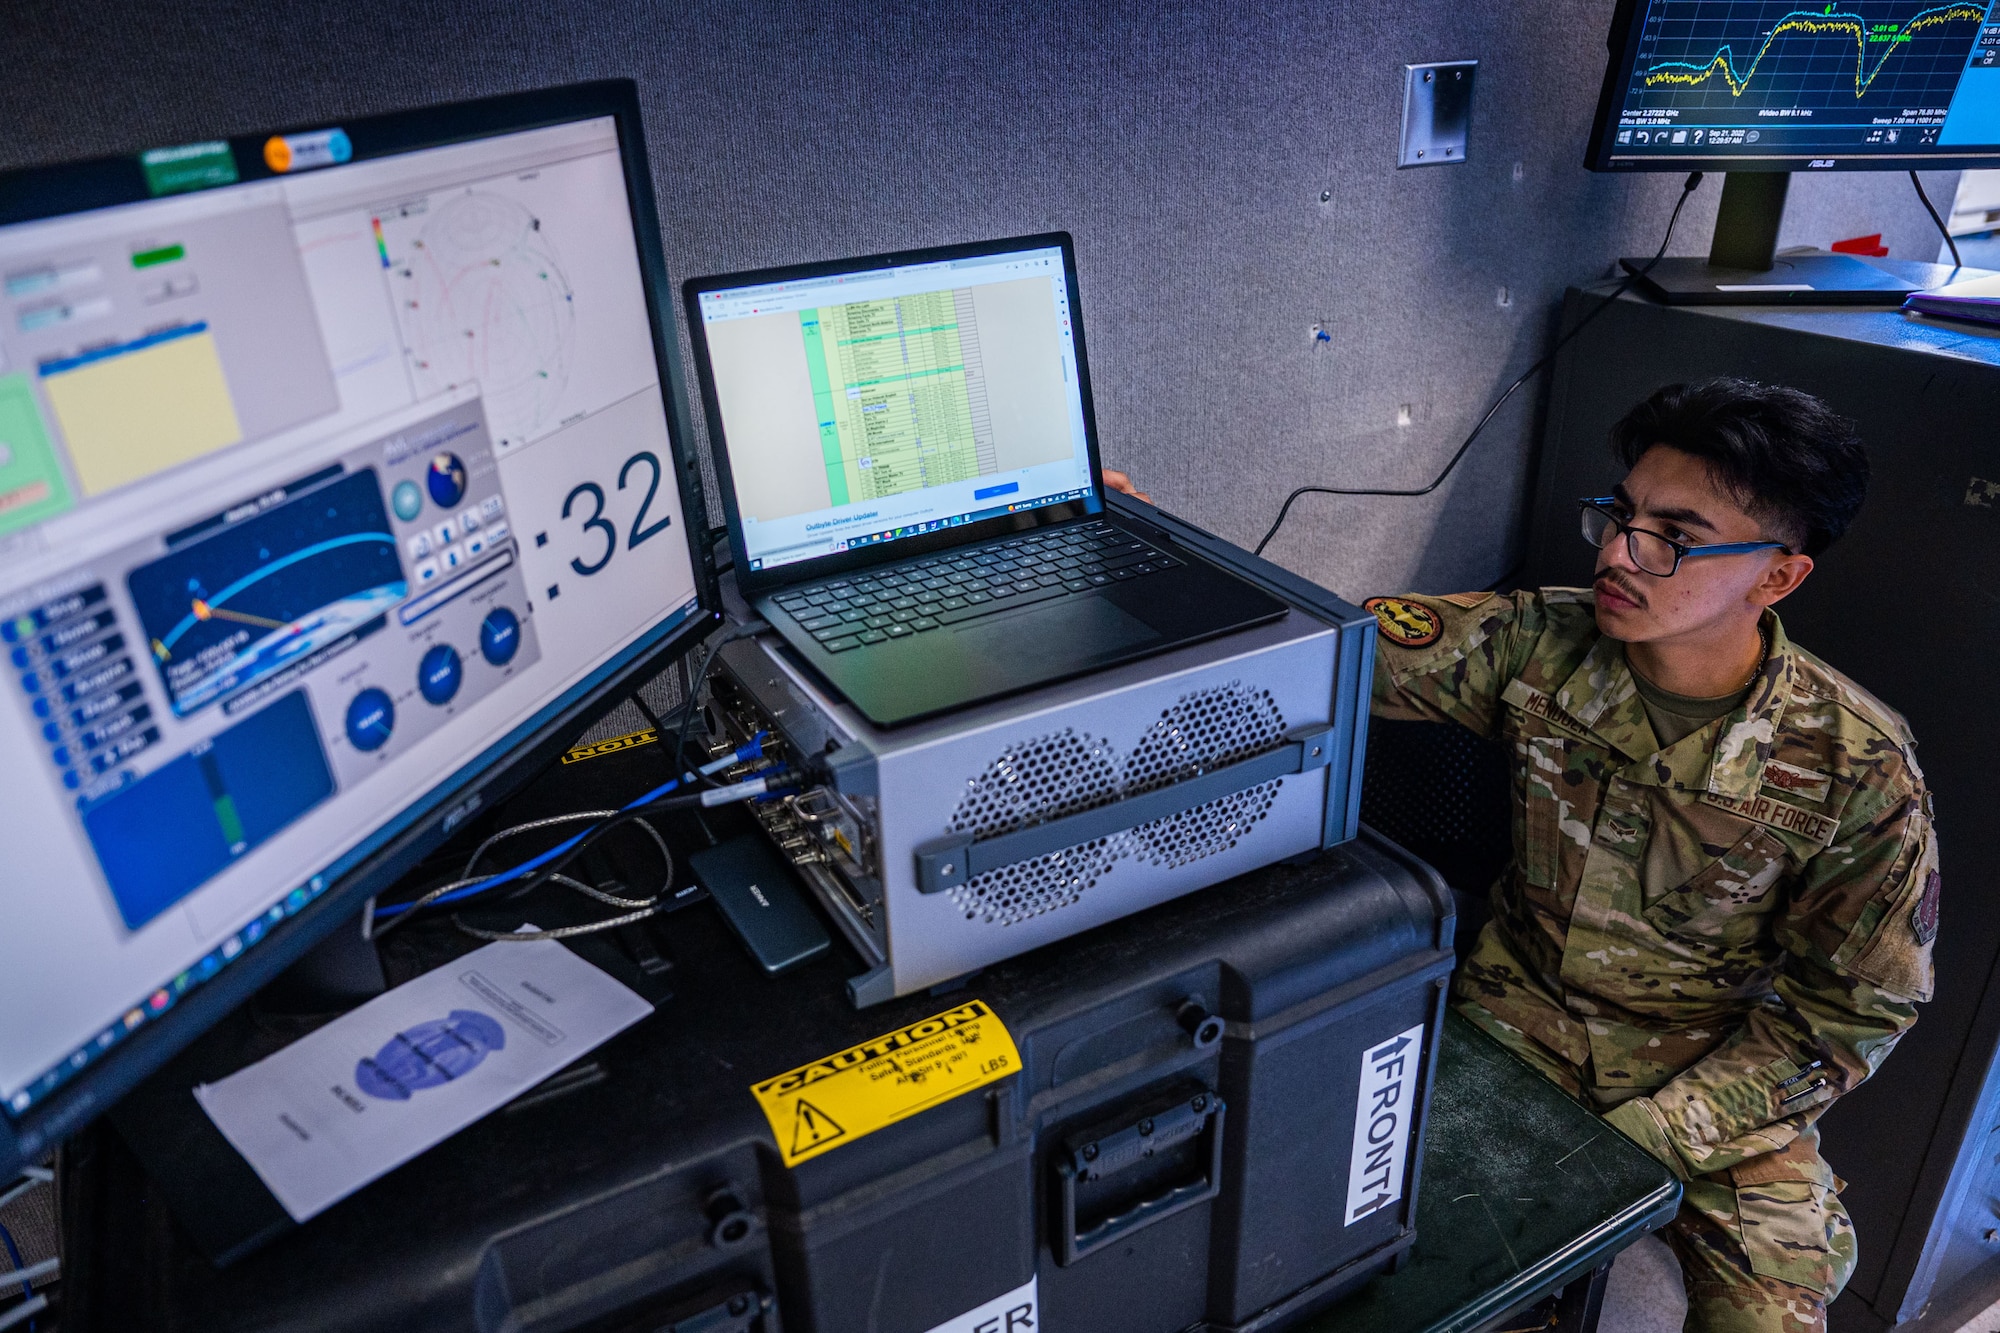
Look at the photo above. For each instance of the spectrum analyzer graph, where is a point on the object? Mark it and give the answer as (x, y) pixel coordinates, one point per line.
(1851, 62)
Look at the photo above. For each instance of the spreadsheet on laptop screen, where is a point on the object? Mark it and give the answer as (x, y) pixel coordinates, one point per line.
(861, 407)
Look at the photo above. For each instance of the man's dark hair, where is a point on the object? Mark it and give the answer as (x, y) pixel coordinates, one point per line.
(1792, 462)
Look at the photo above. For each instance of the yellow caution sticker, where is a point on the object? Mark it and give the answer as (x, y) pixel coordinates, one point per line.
(628, 741)
(820, 1106)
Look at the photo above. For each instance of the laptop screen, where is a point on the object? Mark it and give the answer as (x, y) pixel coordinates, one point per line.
(872, 405)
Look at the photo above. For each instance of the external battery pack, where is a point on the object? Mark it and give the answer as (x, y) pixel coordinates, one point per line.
(762, 900)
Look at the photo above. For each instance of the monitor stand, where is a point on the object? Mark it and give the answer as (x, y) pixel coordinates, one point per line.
(1742, 267)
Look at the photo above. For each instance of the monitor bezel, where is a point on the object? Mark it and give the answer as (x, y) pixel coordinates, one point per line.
(1622, 44)
(396, 847)
(753, 581)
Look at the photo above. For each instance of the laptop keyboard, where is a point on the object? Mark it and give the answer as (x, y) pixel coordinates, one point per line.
(875, 606)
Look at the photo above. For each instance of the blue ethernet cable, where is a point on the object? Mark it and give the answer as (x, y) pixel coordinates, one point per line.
(750, 749)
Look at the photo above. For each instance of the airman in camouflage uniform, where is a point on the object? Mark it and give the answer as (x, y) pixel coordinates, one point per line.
(1708, 941)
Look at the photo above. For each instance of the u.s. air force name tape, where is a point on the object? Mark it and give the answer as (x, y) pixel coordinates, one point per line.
(821, 1106)
(1383, 1108)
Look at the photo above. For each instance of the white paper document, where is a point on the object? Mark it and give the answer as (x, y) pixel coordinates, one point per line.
(407, 1070)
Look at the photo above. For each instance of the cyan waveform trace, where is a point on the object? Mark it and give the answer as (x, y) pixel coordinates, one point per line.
(1723, 62)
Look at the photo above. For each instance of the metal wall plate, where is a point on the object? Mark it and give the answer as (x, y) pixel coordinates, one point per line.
(1437, 112)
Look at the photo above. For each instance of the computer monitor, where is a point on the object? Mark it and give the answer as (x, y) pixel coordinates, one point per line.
(1764, 89)
(341, 472)
(890, 399)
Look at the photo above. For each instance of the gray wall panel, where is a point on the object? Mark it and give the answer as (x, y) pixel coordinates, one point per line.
(1186, 146)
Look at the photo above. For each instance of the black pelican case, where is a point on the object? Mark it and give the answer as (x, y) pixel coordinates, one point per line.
(1187, 1144)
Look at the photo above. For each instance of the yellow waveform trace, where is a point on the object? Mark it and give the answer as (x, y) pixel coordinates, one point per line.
(1691, 75)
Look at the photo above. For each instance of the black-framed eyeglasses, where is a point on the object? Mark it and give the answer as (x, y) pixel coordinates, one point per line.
(1650, 551)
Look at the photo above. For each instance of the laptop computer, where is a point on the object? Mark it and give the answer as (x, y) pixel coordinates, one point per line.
(909, 464)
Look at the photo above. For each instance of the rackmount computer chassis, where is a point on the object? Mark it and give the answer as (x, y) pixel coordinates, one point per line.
(950, 844)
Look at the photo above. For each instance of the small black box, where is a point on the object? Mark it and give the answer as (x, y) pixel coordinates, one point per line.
(761, 898)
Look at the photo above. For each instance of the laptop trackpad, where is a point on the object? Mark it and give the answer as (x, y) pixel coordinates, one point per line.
(1055, 639)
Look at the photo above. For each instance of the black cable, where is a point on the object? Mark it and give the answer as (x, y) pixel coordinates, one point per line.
(1693, 180)
(653, 719)
(550, 871)
(742, 631)
(1943, 230)
(665, 805)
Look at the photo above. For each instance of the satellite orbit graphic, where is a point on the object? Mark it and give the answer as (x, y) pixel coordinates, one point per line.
(264, 594)
(482, 298)
(1700, 55)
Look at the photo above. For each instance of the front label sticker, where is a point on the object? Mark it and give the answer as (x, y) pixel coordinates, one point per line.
(1383, 1110)
(1013, 1313)
(820, 1106)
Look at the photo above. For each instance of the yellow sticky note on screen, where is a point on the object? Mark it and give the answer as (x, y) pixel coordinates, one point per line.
(140, 408)
(832, 1102)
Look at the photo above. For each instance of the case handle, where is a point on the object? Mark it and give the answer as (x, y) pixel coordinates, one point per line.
(1099, 1156)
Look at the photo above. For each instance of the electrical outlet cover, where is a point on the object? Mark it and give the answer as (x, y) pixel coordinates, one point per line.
(1437, 112)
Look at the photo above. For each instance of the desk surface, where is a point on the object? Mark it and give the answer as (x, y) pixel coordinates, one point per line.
(1523, 1190)
(1886, 326)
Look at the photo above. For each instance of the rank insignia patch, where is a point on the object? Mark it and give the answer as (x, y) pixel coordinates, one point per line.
(1924, 916)
(1404, 623)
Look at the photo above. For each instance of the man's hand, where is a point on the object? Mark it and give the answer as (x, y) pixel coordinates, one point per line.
(1118, 481)
(1639, 1122)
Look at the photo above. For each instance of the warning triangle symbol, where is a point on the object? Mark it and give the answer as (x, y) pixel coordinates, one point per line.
(812, 1128)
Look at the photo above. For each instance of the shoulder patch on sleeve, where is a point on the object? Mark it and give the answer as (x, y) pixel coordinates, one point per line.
(1468, 600)
(1896, 939)
(1405, 623)
(1924, 916)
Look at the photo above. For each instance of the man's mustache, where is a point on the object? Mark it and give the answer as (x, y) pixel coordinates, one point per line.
(1617, 580)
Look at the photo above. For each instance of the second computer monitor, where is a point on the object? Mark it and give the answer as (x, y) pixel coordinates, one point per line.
(1697, 84)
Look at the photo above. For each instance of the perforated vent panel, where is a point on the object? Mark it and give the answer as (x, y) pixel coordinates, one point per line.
(1051, 776)
(1035, 781)
(1204, 730)
(1040, 884)
(1189, 836)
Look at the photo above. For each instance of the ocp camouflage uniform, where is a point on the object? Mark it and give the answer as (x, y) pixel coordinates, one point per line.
(1708, 942)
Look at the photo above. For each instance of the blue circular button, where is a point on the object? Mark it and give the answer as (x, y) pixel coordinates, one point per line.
(499, 636)
(370, 718)
(439, 674)
(406, 500)
(446, 479)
